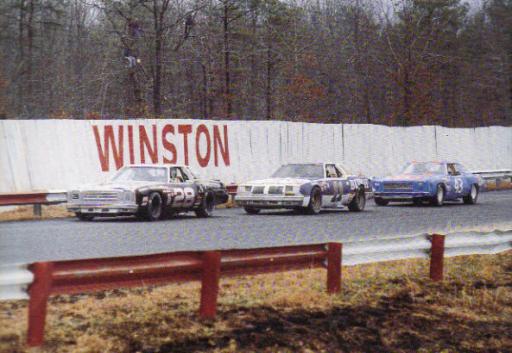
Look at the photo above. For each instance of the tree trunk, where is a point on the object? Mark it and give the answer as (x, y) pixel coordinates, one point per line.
(157, 79)
(30, 37)
(268, 90)
(227, 79)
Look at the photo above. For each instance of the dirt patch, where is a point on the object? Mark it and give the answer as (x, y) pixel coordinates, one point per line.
(389, 307)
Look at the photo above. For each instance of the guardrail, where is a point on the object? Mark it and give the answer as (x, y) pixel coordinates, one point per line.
(36, 198)
(77, 276)
(496, 179)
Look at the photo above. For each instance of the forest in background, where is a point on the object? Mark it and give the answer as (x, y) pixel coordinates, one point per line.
(392, 62)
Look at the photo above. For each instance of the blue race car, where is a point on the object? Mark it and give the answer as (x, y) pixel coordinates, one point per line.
(435, 182)
(309, 187)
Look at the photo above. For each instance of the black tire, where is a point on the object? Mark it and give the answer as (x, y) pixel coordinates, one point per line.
(472, 197)
(169, 213)
(251, 210)
(154, 209)
(84, 217)
(416, 201)
(379, 201)
(438, 199)
(207, 206)
(358, 203)
(315, 202)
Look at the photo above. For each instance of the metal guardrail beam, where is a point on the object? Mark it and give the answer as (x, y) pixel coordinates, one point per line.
(47, 278)
(36, 198)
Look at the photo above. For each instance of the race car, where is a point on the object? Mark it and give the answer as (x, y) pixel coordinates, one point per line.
(308, 187)
(149, 192)
(433, 182)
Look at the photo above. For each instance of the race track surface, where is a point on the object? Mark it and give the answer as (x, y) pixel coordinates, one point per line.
(60, 239)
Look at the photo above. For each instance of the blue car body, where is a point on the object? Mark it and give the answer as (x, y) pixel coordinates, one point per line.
(452, 178)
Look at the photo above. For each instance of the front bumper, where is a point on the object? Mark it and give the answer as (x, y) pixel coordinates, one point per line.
(271, 201)
(104, 209)
(402, 195)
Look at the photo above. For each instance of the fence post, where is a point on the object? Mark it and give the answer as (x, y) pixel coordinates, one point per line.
(334, 267)
(39, 292)
(38, 211)
(210, 284)
(436, 257)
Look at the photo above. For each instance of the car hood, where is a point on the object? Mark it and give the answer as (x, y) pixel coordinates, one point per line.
(117, 186)
(279, 181)
(409, 177)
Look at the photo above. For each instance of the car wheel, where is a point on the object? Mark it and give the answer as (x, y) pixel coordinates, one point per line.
(84, 217)
(207, 206)
(154, 207)
(438, 199)
(379, 201)
(251, 210)
(471, 198)
(315, 202)
(358, 202)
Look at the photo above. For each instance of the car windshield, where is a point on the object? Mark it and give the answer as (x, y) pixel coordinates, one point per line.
(424, 168)
(141, 174)
(308, 171)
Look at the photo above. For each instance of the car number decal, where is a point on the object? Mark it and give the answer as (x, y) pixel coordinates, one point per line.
(459, 183)
(354, 183)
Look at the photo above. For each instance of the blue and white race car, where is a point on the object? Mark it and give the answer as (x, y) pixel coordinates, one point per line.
(309, 187)
(435, 182)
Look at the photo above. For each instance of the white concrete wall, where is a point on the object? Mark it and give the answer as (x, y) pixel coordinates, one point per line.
(59, 154)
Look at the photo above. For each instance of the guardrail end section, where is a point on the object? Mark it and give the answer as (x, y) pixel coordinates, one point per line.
(210, 284)
(334, 267)
(437, 257)
(39, 292)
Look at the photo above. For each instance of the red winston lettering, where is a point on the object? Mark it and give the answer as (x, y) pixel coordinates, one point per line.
(168, 144)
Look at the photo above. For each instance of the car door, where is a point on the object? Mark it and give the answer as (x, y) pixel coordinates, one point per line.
(331, 196)
(466, 182)
(455, 182)
(188, 187)
(176, 183)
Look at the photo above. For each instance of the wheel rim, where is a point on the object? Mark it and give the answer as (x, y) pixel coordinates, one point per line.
(317, 202)
(473, 192)
(361, 201)
(155, 207)
(209, 205)
(439, 195)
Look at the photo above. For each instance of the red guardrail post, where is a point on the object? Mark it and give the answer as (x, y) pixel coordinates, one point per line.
(436, 257)
(334, 267)
(210, 284)
(39, 292)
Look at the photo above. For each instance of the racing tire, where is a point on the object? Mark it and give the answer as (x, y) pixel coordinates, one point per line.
(84, 217)
(379, 201)
(251, 210)
(472, 197)
(169, 213)
(438, 199)
(154, 209)
(315, 202)
(358, 203)
(207, 206)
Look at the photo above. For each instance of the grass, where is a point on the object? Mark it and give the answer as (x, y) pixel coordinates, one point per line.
(23, 213)
(386, 307)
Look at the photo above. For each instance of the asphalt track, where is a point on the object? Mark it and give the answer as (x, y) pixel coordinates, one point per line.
(60, 239)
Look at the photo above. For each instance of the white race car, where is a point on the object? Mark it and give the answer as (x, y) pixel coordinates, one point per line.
(307, 186)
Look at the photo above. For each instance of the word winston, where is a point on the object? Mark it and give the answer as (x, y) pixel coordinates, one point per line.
(159, 144)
